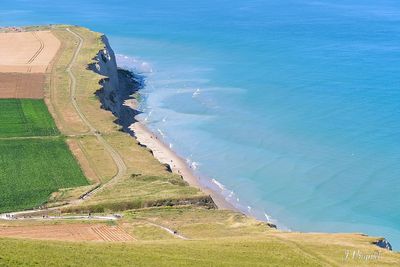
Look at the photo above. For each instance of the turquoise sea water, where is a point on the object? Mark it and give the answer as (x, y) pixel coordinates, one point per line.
(292, 106)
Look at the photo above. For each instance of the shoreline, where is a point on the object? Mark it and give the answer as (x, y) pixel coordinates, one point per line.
(166, 155)
(161, 151)
(119, 98)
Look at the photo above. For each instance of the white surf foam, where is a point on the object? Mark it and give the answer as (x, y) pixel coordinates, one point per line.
(133, 63)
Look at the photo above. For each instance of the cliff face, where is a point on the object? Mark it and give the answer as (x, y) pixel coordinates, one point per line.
(106, 65)
(117, 86)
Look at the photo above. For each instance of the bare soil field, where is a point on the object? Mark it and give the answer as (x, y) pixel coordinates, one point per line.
(22, 85)
(68, 232)
(29, 52)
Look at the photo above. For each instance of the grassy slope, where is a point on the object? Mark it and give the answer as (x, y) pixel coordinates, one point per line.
(219, 238)
(274, 251)
(25, 117)
(197, 223)
(217, 253)
(32, 169)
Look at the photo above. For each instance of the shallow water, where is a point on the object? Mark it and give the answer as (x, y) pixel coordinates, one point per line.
(292, 105)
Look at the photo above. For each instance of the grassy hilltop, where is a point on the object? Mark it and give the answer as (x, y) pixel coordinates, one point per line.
(151, 199)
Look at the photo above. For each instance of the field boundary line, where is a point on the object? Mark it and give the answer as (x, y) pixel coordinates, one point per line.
(31, 137)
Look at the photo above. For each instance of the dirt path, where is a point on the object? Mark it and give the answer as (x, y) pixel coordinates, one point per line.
(170, 231)
(114, 154)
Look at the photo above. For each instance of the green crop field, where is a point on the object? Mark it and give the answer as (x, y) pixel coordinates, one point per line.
(30, 170)
(25, 117)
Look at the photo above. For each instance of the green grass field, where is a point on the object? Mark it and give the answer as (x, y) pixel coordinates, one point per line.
(30, 170)
(25, 117)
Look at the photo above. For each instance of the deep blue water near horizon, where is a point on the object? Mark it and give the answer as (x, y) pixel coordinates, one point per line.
(292, 105)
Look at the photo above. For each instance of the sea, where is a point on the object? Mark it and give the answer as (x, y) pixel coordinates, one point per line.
(289, 108)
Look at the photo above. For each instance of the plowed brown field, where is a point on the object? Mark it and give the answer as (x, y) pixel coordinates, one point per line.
(18, 85)
(68, 232)
(27, 52)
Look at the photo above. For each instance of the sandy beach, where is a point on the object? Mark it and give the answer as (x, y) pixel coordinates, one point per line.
(178, 165)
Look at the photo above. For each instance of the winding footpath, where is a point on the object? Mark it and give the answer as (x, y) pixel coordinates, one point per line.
(168, 230)
(114, 154)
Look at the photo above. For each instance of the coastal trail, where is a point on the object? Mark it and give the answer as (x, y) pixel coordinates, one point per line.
(170, 231)
(122, 168)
